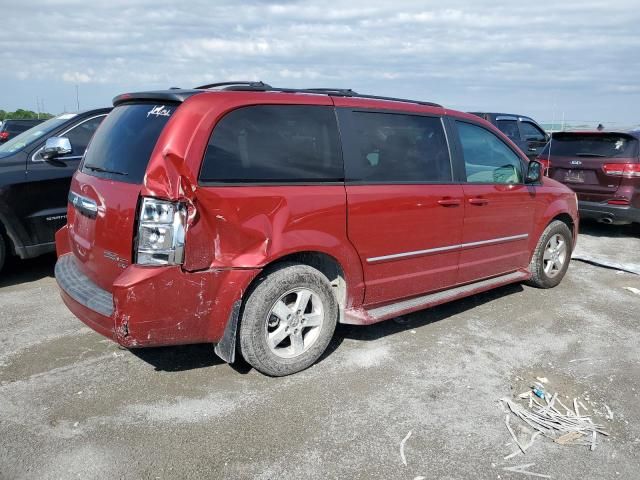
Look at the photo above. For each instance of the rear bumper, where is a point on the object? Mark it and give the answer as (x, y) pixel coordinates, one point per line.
(158, 306)
(616, 213)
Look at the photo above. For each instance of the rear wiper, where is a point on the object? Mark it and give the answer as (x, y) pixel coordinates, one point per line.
(95, 168)
(586, 154)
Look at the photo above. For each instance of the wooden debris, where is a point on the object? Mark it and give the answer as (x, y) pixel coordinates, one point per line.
(515, 439)
(550, 423)
(609, 412)
(523, 469)
(570, 437)
(404, 440)
(525, 447)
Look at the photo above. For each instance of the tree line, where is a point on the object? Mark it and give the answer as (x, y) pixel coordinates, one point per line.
(21, 114)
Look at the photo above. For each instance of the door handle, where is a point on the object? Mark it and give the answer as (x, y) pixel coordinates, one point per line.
(478, 201)
(449, 202)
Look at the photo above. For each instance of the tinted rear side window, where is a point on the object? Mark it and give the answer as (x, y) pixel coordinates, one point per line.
(274, 143)
(397, 148)
(122, 145)
(592, 145)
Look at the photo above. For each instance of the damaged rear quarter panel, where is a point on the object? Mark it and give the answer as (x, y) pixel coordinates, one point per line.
(194, 306)
(233, 227)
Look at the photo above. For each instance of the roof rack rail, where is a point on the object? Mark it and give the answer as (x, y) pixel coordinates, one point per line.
(244, 83)
(336, 92)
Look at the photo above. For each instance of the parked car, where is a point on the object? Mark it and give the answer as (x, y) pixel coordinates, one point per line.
(219, 214)
(523, 131)
(11, 128)
(35, 178)
(603, 168)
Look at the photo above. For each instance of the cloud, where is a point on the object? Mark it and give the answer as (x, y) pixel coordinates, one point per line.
(528, 57)
(76, 77)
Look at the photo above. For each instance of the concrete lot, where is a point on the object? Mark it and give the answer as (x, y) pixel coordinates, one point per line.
(74, 405)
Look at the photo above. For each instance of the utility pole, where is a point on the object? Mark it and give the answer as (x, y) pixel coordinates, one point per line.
(77, 99)
(38, 107)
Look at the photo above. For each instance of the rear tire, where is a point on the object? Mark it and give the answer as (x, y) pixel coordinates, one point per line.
(3, 251)
(552, 255)
(288, 320)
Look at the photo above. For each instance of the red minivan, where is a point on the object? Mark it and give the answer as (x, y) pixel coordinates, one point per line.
(257, 218)
(603, 168)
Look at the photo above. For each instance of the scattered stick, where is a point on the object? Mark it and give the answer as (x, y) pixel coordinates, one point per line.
(523, 469)
(526, 447)
(404, 440)
(515, 439)
(609, 412)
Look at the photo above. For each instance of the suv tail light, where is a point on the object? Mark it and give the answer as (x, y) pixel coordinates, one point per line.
(627, 170)
(161, 232)
(619, 201)
(4, 136)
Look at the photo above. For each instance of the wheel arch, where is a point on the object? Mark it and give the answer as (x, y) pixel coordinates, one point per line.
(328, 265)
(568, 221)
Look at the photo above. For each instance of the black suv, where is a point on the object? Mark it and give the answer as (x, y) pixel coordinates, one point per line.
(523, 131)
(11, 128)
(35, 173)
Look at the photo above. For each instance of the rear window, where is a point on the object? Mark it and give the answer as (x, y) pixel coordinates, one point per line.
(122, 145)
(274, 144)
(592, 145)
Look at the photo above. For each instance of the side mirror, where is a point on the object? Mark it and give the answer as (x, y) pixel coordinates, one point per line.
(534, 172)
(56, 147)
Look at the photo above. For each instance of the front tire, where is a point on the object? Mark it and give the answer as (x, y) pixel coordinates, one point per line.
(288, 320)
(552, 255)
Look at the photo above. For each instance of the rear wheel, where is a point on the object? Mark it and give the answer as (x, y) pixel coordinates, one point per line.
(288, 320)
(552, 255)
(3, 251)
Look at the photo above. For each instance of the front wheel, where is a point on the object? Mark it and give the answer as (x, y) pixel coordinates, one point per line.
(552, 255)
(288, 320)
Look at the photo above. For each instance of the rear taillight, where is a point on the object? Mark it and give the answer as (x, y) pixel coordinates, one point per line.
(4, 136)
(161, 232)
(619, 201)
(627, 170)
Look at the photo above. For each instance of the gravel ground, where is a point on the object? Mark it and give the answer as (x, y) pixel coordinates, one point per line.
(74, 405)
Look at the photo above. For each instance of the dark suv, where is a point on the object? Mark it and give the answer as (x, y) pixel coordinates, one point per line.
(11, 128)
(603, 168)
(257, 218)
(523, 131)
(35, 172)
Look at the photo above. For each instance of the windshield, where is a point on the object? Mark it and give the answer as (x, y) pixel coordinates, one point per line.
(33, 134)
(592, 145)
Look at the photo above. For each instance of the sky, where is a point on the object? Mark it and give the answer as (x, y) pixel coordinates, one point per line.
(577, 60)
